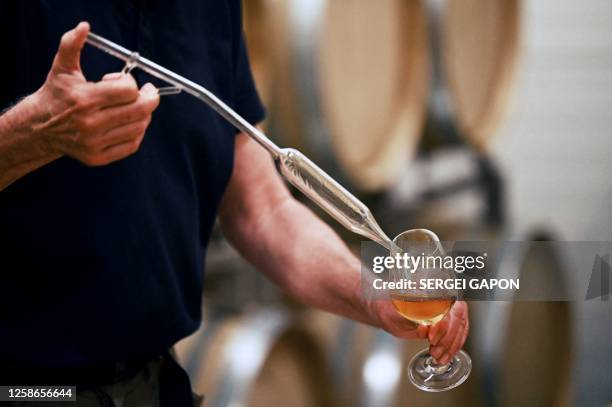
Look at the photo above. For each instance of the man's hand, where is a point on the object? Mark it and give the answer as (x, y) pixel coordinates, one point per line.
(445, 338)
(95, 123)
(448, 336)
(391, 321)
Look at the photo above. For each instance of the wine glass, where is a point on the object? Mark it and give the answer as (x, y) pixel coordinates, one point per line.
(426, 307)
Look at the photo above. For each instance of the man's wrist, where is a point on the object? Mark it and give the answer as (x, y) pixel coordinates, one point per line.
(24, 146)
(34, 113)
(377, 312)
(375, 309)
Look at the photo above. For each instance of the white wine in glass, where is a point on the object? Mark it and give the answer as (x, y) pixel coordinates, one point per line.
(427, 307)
(421, 310)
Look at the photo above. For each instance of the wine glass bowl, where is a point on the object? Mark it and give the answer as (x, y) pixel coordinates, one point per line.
(423, 305)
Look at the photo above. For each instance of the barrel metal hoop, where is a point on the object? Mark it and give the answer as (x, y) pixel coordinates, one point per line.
(246, 353)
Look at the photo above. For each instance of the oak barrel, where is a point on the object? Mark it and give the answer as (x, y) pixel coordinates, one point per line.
(255, 359)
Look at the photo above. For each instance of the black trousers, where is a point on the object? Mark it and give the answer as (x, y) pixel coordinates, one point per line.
(155, 382)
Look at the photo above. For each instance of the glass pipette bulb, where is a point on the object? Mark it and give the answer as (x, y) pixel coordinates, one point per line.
(332, 197)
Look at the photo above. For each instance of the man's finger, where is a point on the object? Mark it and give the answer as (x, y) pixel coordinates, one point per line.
(112, 76)
(422, 331)
(455, 323)
(126, 133)
(459, 339)
(437, 331)
(115, 153)
(120, 91)
(442, 353)
(436, 351)
(122, 150)
(448, 352)
(113, 117)
(68, 57)
(120, 115)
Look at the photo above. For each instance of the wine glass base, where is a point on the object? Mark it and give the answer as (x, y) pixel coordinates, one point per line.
(433, 378)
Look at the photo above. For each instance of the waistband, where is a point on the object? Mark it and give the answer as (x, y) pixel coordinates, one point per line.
(13, 373)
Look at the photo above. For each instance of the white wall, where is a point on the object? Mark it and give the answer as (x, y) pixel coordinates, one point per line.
(556, 151)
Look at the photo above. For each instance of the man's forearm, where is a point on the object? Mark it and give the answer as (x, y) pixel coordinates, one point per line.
(22, 150)
(295, 248)
(306, 258)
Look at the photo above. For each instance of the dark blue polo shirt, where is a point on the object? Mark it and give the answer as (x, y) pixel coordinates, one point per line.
(106, 263)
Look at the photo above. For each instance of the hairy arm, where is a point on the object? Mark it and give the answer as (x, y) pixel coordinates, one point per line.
(22, 150)
(306, 258)
(293, 247)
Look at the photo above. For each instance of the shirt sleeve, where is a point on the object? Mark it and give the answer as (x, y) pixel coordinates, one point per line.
(246, 99)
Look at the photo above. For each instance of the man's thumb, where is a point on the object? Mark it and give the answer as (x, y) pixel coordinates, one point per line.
(69, 53)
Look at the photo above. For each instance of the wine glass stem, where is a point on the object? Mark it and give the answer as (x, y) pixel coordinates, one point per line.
(434, 368)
